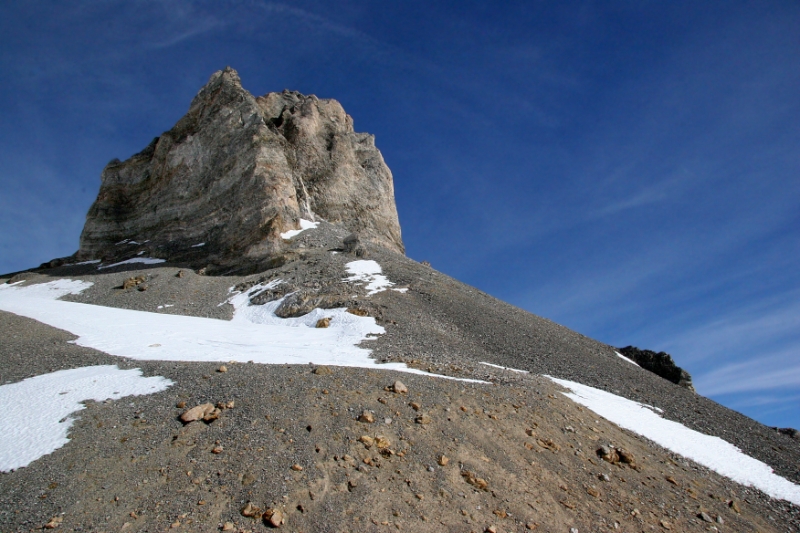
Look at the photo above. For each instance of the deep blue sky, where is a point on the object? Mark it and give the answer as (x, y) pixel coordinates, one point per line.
(628, 169)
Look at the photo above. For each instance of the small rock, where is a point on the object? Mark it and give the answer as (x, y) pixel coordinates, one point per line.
(223, 368)
(297, 468)
(399, 387)
(226, 405)
(443, 460)
(228, 526)
(473, 480)
(705, 517)
(216, 450)
(626, 457)
(274, 518)
(608, 454)
(415, 406)
(323, 322)
(367, 441)
(720, 520)
(591, 491)
(382, 443)
(367, 417)
(358, 312)
(735, 506)
(251, 511)
(212, 415)
(423, 419)
(666, 525)
(54, 522)
(490, 529)
(180, 274)
(604, 477)
(501, 513)
(180, 405)
(531, 526)
(671, 480)
(573, 530)
(197, 412)
(323, 371)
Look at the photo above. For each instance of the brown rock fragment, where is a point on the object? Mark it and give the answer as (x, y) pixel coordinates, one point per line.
(323, 322)
(274, 518)
(423, 419)
(366, 417)
(228, 526)
(197, 412)
(443, 460)
(367, 441)
(476, 482)
(399, 388)
(222, 368)
(54, 522)
(297, 468)
(323, 371)
(251, 511)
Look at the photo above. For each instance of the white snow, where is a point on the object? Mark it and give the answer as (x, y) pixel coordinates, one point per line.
(369, 272)
(712, 452)
(505, 368)
(198, 245)
(304, 225)
(91, 262)
(254, 334)
(165, 306)
(626, 359)
(145, 260)
(37, 411)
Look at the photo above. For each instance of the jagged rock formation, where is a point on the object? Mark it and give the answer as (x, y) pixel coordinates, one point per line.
(660, 363)
(234, 173)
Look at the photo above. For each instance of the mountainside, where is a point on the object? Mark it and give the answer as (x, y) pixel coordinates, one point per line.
(327, 382)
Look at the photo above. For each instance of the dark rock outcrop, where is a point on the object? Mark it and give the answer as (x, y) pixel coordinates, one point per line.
(660, 363)
(234, 173)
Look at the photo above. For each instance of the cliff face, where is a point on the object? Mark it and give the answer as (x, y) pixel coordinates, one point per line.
(235, 172)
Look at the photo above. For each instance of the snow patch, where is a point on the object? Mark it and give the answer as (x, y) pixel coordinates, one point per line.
(505, 368)
(91, 262)
(198, 245)
(626, 359)
(144, 260)
(304, 225)
(369, 272)
(712, 452)
(254, 334)
(37, 411)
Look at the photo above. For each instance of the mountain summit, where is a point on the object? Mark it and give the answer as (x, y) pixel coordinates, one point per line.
(237, 171)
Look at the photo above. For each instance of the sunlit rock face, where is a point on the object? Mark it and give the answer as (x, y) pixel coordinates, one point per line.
(235, 172)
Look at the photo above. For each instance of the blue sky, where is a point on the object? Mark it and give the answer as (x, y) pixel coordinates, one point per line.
(628, 169)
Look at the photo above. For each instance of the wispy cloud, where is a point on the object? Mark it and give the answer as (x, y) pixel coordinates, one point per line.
(777, 371)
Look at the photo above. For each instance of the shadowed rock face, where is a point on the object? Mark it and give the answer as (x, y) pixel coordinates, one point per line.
(235, 172)
(660, 363)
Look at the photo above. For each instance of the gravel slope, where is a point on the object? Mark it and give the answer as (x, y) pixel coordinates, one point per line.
(131, 465)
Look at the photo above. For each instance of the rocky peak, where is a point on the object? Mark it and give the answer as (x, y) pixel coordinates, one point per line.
(235, 172)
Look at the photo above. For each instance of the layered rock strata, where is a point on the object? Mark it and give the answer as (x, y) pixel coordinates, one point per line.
(237, 171)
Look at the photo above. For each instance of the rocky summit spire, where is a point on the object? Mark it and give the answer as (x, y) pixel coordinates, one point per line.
(235, 172)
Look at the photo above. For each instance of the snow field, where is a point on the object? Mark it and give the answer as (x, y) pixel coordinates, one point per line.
(37, 411)
(711, 452)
